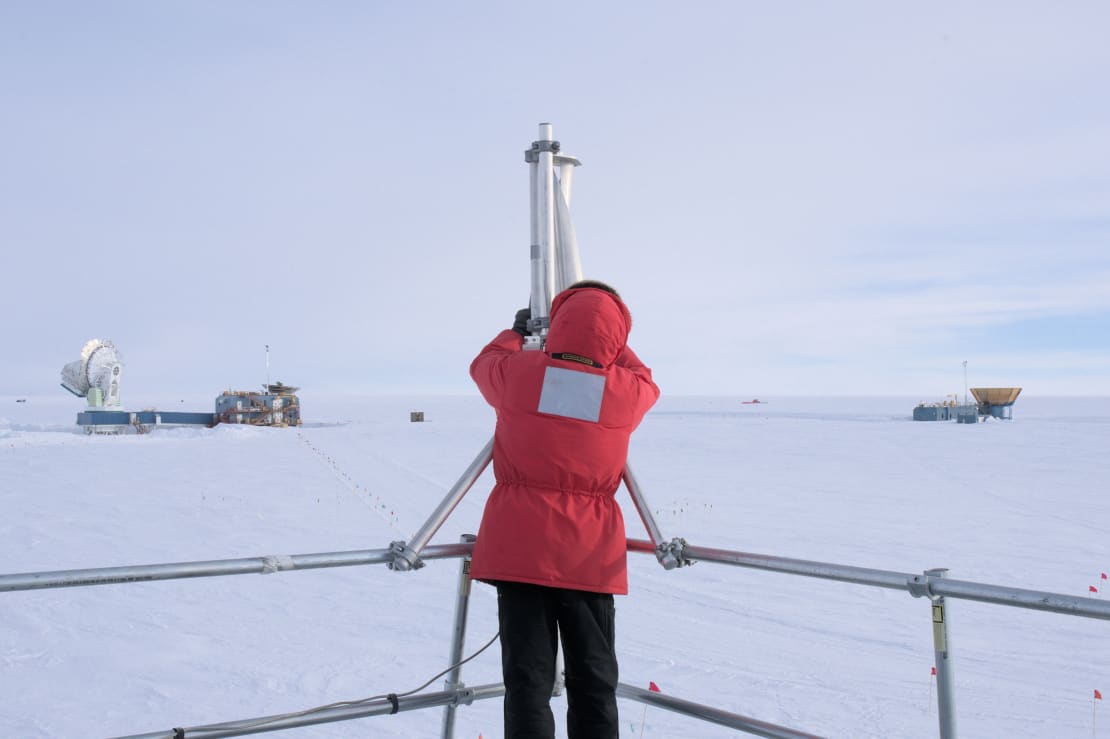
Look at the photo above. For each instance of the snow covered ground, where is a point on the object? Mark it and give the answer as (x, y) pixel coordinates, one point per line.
(1024, 503)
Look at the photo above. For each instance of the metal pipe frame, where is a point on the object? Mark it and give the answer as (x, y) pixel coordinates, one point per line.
(932, 583)
(710, 714)
(364, 709)
(917, 585)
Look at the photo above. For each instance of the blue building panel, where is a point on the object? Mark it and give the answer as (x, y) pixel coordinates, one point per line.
(141, 420)
(931, 413)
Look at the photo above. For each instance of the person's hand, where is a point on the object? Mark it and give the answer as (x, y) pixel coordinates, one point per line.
(520, 323)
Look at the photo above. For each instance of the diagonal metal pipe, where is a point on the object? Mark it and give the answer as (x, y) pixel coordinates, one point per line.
(710, 714)
(363, 709)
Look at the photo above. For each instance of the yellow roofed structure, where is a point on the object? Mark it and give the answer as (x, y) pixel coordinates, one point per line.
(996, 395)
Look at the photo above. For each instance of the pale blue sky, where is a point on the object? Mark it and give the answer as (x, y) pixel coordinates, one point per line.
(794, 198)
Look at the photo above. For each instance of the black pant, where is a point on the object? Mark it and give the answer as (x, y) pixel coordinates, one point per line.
(531, 619)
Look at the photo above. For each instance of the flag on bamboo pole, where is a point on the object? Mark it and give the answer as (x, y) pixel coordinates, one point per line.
(653, 687)
(934, 671)
(1094, 710)
(1092, 589)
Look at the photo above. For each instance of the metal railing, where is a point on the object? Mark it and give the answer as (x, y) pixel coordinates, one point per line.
(931, 584)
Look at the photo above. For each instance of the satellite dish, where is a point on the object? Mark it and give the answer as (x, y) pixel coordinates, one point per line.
(96, 374)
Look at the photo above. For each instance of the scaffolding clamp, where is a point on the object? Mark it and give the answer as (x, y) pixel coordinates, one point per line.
(922, 585)
(404, 557)
(672, 554)
(533, 155)
(464, 696)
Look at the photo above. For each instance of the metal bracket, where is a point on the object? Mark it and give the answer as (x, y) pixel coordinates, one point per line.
(673, 554)
(561, 159)
(533, 155)
(404, 557)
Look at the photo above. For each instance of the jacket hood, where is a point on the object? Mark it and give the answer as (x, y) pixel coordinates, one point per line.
(589, 322)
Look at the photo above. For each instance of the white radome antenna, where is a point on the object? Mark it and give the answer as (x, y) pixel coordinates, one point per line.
(96, 374)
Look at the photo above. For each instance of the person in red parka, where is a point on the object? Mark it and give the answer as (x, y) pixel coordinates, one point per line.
(552, 536)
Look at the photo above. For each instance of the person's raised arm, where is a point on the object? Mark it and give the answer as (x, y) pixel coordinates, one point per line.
(487, 368)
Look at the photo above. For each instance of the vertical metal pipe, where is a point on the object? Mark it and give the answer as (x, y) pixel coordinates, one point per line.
(946, 704)
(458, 639)
(545, 202)
(538, 298)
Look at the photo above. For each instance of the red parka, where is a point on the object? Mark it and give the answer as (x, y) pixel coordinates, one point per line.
(564, 417)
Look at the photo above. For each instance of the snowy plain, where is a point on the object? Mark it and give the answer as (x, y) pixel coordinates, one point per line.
(1023, 503)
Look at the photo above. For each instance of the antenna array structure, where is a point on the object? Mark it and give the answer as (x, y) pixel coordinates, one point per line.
(555, 264)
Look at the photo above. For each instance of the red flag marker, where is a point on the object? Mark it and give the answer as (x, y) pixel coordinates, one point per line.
(1104, 576)
(655, 688)
(1098, 696)
(934, 671)
(1092, 588)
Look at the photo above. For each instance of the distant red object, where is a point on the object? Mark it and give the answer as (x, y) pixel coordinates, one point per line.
(753, 401)
(653, 687)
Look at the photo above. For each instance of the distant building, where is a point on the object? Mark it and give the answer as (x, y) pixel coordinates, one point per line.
(277, 405)
(991, 402)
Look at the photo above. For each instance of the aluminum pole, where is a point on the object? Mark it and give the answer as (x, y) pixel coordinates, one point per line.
(545, 204)
(566, 167)
(408, 555)
(710, 714)
(916, 584)
(541, 179)
(215, 568)
(844, 573)
(363, 709)
(568, 266)
(1032, 599)
(946, 701)
(538, 296)
(642, 508)
(458, 639)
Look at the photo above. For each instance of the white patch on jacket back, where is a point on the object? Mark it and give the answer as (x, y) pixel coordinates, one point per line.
(572, 394)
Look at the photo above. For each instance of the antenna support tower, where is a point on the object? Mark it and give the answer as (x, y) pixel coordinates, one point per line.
(555, 265)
